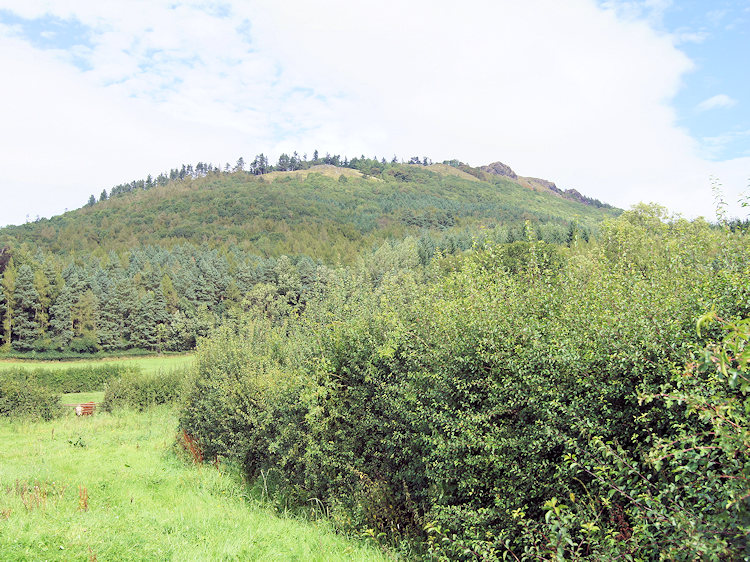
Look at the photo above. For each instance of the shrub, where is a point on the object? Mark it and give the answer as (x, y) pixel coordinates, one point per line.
(85, 344)
(20, 399)
(73, 379)
(231, 406)
(684, 497)
(446, 410)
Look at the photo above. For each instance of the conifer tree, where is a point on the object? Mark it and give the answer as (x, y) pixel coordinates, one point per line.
(110, 325)
(26, 306)
(8, 287)
(3, 310)
(61, 317)
(44, 290)
(144, 331)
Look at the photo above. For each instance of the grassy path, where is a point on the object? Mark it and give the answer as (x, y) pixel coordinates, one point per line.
(143, 502)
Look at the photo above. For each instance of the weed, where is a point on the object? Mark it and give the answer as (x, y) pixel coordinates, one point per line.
(34, 496)
(83, 498)
(191, 445)
(78, 442)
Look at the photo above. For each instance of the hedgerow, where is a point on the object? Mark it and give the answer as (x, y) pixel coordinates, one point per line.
(447, 410)
(20, 399)
(72, 379)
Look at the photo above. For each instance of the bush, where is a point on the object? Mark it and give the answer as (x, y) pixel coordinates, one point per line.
(19, 399)
(73, 379)
(140, 391)
(85, 344)
(231, 409)
(447, 410)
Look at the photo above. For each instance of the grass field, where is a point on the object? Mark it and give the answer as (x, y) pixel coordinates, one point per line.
(111, 487)
(147, 364)
(79, 397)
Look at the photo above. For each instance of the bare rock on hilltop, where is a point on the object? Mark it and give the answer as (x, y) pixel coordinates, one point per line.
(499, 169)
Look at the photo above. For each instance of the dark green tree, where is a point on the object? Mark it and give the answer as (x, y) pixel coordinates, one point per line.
(26, 306)
(61, 317)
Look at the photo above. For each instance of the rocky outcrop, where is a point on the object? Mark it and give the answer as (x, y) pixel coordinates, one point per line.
(499, 169)
(545, 184)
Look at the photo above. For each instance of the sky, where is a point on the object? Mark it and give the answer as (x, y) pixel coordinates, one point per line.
(624, 100)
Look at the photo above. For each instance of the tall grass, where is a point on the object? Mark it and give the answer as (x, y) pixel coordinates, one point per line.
(111, 487)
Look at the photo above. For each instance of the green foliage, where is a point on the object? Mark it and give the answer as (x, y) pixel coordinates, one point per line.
(24, 399)
(448, 408)
(237, 374)
(684, 496)
(71, 379)
(26, 307)
(317, 215)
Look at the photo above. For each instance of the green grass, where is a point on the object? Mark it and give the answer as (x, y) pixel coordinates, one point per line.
(80, 397)
(147, 364)
(144, 502)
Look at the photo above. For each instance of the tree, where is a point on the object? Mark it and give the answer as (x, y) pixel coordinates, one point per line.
(3, 311)
(26, 305)
(84, 315)
(110, 325)
(45, 291)
(91, 201)
(144, 334)
(8, 287)
(61, 314)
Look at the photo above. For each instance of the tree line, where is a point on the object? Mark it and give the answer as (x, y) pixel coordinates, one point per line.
(288, 163)
(154, 298)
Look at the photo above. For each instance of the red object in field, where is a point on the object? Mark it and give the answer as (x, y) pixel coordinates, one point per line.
(85, 409)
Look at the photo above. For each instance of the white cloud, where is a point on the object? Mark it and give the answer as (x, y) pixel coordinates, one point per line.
(719, 100)
(568, 91)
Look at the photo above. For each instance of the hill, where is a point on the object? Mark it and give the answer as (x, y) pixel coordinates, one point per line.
(159, 264)
(326, 212)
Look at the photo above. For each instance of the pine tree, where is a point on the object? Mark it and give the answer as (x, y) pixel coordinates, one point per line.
(110, 325)
(144, 334)
(44, 290)
(127, 303)
(26, 305)
(8, 287)
(3, 309)
(84, 314)
(61, 317)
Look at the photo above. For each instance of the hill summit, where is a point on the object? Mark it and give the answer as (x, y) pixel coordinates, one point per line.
(327, 208)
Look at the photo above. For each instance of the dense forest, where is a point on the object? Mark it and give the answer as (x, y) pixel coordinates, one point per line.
(156, 264)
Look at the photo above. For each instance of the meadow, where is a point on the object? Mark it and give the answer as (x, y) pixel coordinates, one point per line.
(147, 364)
(115, 487)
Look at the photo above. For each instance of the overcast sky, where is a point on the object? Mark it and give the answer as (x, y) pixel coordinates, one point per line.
(625, 101)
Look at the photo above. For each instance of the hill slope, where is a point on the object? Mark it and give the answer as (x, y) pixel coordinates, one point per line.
(326, 212)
